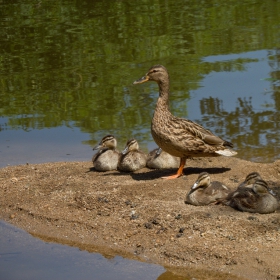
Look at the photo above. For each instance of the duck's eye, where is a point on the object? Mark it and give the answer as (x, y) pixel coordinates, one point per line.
(154, 71)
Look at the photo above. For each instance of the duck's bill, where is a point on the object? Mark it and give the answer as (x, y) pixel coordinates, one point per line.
(142, 80)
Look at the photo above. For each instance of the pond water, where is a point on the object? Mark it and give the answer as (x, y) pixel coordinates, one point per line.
(24, 257)
(67, 68)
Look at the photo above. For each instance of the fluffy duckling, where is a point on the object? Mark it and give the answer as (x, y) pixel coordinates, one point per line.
(107, 157)
(258, 199)
(131, 158)
(250, 179)
(159, 159)
(204, 192)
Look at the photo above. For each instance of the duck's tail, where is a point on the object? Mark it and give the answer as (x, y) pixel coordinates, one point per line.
(226, 152)
(227, 144)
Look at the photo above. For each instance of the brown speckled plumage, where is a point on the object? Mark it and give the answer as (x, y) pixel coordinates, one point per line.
(177, 136)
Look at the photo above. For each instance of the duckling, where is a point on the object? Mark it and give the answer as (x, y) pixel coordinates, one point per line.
(177, 136)
(107, 157)
(250, 179)
(275, 188)
(204, 192)
(159, 159)
(131, 158)
(258, 199)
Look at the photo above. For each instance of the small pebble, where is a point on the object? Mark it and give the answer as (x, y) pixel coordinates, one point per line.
(179, 216)
(148, 225)
(252, 218)
(181, 230)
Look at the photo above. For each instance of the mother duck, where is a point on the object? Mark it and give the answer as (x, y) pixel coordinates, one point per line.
(177, 136)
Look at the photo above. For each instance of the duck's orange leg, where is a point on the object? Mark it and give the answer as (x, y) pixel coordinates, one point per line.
(179, 171)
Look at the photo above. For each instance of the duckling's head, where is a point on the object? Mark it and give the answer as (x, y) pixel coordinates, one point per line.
(131, 145)
(260, 187)
(203, 181)
(107, 142)
(157, 73)
(251, 178)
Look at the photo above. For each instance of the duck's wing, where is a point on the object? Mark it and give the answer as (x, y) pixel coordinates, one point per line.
(200, 132)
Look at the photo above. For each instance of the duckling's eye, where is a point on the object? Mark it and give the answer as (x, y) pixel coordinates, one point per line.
(154, 71)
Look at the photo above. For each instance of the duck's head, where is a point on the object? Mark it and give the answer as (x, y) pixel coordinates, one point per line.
(157, 73)
(107, 142)
(131, 145)
(203, 180)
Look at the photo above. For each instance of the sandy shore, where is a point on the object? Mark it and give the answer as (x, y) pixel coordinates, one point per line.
(141, 216)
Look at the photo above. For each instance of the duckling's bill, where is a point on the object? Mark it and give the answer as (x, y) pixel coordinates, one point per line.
(272, 192)
(195, 186)
(142, 80)
(125, 150)
(97, 147)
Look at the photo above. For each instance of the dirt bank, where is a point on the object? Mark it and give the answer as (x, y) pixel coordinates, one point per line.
(142, 216)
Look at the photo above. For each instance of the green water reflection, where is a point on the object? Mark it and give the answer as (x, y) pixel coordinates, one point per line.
(73, 62)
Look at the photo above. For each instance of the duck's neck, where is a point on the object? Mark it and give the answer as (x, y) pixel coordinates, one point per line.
(163, 100)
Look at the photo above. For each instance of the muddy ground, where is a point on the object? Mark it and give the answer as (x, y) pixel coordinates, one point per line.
(141, 216)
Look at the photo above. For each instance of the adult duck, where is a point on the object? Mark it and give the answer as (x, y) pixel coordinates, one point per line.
(177, 136)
